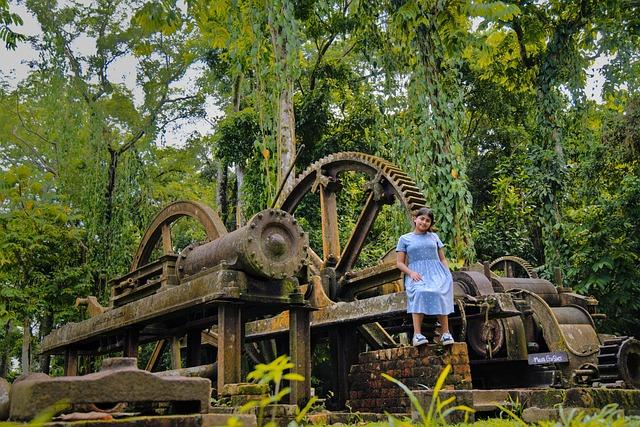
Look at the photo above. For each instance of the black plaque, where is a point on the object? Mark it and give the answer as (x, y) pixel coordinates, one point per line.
(548, 358)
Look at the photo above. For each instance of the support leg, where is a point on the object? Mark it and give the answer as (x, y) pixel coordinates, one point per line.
(300, 351)
(130, 344)
(70, 362)
(176, 358)
(344, 353)
(230, 341)
(194, 347)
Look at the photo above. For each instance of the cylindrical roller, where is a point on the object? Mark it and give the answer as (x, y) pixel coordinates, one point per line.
(543, 288)
(473, 283)
(272, 245)
(571, 316)
(486, 338)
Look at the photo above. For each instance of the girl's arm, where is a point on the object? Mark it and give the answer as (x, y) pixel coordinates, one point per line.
(443, 259)
(401, 263)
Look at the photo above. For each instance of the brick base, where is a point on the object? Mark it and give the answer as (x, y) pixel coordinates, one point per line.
(414, 366)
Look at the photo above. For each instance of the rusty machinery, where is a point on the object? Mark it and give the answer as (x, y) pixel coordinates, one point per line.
(505, 320)
(522, 331)
(232, 278)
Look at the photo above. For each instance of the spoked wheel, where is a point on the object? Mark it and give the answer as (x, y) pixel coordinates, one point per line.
(160, 229)
(513, 266)
(338, 178)
(337, 200)
(157, 241)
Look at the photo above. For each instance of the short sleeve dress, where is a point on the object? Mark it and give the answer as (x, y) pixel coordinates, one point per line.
(433, 295)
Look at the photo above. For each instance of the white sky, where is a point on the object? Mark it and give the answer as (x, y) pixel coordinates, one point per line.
(14, 66)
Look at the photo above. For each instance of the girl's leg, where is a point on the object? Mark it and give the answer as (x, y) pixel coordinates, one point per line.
(417, 323)
(443, 319)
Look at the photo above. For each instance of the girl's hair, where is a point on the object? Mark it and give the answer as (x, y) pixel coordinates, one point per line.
(426, 212)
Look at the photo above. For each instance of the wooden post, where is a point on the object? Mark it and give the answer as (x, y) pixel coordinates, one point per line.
(300, 351)
(130, 343)
(70, 362)
(343, 344)
(194, 347)
(230, 339)
(176, 357)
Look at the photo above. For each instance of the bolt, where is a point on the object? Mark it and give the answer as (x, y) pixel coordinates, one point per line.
(294, 221)
(259, 216)
(253, 225)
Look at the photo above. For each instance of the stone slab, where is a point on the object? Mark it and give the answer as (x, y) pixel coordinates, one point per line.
(197, 420)
(5, 390)
(114, 384)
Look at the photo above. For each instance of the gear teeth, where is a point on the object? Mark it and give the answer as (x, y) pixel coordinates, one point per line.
(517, 260)
(404, 187)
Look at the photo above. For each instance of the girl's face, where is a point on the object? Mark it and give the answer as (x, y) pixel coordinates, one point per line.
(423, 223)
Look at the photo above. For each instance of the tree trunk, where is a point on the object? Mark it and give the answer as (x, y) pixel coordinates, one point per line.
(286, 125)
(223, 203)
(26, 346)
(286, 135)
(45, 328)
(6, 350)
(111, 184)
(240, 219)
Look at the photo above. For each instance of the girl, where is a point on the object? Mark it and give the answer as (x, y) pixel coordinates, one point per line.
(427, 281)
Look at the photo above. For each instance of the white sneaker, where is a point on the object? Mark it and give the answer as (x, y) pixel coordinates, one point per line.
(446, 339)
(419, 339)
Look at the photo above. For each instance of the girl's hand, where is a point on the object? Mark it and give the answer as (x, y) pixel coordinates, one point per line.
(415, 276)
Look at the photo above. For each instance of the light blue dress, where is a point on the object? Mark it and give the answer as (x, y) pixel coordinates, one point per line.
(432, 295)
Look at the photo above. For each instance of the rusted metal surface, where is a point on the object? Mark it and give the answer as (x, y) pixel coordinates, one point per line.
(619, 363)
(510, 265)
(203, 371)
(356, 312)
(300, 353)
(578, 339)
(237, 279)
(272, 245)
(387, 184)
(118, 381)
(229, 344)
(543, 288)
(147, 280)
(159, 228)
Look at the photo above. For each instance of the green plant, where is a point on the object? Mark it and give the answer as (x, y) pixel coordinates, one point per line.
(438, 409)
(610, 415)
(516, 408)
(42, 418)
(273, 373)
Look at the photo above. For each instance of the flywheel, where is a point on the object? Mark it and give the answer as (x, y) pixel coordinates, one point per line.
(350, 178)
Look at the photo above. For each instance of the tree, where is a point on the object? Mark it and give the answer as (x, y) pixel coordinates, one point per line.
(42, 265)
(8, 18)
(76, 122)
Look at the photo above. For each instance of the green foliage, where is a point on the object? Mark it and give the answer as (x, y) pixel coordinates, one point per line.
(273, 373)
(438, 409)
(610, 415)
(8, 18)
(42, 257)
(601, 227)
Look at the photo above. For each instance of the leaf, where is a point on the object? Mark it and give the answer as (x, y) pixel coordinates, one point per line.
(293, 377)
